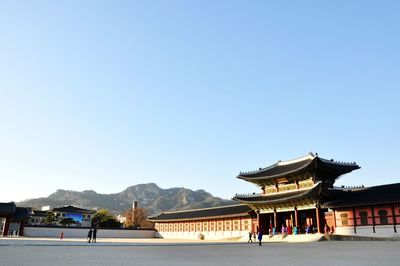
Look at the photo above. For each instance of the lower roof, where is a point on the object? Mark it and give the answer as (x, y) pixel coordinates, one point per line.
(207, 213)
(377, 195)
(281, 197)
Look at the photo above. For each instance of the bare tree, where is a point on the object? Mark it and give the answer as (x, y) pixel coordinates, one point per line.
(137, 218)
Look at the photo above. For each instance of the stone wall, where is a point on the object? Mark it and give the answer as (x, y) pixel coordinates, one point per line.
(76, 232)
(206, 235)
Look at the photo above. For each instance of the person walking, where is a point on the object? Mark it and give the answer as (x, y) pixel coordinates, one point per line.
(259, 238)
(89, 235)
(250, 238)
(94, 235)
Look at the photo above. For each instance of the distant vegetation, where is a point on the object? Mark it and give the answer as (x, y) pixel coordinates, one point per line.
(149, 196)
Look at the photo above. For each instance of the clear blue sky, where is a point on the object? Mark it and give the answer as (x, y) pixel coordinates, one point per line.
(106, 94)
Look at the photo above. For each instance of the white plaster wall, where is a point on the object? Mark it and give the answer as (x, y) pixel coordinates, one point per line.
(208, 235)
(380, 231)
(82, 232)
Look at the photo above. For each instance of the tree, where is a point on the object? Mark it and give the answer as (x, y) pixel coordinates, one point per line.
(137, 219)
(67, 221)
(103, 218)
(50, 218)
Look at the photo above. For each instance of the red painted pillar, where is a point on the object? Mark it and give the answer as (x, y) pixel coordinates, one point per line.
(258, 221)
(296, 217)
(373, 219)
(275, 219)
(355, 221)
(6, 227)
(317, 212)
(394, 219)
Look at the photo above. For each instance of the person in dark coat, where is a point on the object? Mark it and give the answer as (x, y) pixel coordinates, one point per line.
(94, 235)
(259, 238)
(250, 238)
(89, 235)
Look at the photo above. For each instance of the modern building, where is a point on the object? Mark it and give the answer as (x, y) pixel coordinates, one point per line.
(298, 194)
(12, 219)
(82, 217)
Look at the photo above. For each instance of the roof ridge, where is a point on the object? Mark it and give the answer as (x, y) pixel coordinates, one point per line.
(310, 155)
(339, 162)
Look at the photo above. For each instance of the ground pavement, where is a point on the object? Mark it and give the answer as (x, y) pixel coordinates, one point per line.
(32, 252)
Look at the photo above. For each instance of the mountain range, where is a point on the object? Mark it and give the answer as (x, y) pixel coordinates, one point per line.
(149, 196)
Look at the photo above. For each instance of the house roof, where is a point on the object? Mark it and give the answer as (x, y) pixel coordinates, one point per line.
(72, 209)
(7, 208)
(310, 166)
(206, 213)
(21, 213)
(14, 213)
(376, 195)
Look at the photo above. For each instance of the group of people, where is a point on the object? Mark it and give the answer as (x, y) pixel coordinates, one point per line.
(92, 235)
(329, 230)
(285, 230)
(253, 235)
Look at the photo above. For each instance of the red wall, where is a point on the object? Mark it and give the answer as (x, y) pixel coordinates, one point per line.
(370, 221)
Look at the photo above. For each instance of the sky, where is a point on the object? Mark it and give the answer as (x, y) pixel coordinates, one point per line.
(102, 95)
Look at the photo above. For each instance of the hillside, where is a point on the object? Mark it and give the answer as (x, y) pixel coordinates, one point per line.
(149, 196)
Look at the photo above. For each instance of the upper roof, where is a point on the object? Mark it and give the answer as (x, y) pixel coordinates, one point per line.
(309, 166)
(72, 209)
(207, 213)
(377, 195)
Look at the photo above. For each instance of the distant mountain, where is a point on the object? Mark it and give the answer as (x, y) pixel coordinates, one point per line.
(148, 196)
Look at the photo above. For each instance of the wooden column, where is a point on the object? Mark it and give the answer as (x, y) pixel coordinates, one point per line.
(334, 219)
(317, 212)
(258, 221)
(354, 221)
(275, 218)
(373, 219)
(6, 226)
(296, 217)
(394, 219)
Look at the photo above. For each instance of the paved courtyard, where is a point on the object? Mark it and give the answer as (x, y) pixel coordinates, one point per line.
(161, 253)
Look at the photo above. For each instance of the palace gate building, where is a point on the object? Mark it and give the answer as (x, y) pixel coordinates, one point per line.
(298, 193)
